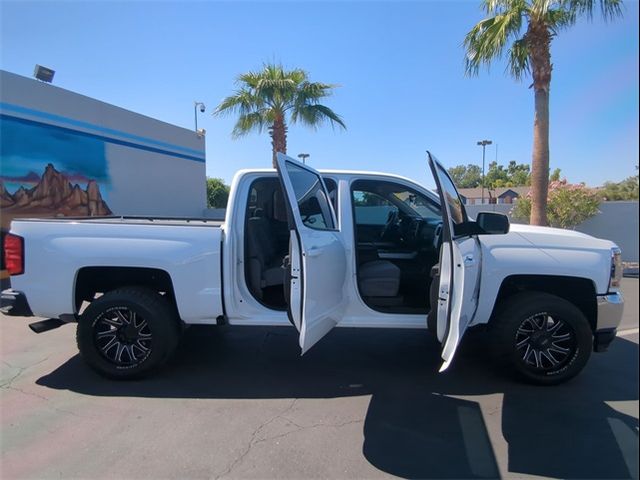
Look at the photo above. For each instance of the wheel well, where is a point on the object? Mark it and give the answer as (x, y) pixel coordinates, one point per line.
(580, 292)
(93, 280)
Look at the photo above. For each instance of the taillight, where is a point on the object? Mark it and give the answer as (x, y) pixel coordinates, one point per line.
(14, 254)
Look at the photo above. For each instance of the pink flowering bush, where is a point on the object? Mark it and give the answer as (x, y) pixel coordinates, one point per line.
(568, 205)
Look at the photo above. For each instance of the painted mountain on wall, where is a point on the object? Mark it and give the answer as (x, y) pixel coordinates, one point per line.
(52, 195)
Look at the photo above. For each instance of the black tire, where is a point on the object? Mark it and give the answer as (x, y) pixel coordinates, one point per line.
(128, 332)
(545, 339)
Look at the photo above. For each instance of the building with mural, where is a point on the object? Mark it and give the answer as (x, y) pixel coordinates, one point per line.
(65, 154)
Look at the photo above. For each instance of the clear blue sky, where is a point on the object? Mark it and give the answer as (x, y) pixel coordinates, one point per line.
(399, 64)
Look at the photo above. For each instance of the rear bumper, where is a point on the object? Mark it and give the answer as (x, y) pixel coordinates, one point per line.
(15, 304)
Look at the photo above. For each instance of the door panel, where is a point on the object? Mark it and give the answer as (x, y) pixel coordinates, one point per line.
(318, 257)
(463, 304)
(295, 281)
(324, 271)
(459, 268)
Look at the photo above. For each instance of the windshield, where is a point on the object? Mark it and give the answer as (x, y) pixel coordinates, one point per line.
(418, 204)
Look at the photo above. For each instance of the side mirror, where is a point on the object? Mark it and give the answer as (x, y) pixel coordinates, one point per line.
(492, 223)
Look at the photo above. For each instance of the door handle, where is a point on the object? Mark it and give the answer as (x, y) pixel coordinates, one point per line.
(314, 252)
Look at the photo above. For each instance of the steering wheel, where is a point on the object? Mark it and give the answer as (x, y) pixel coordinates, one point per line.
(392, 221)
(410, 230)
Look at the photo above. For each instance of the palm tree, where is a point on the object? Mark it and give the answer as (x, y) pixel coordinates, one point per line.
(273, 97)
(525, 29)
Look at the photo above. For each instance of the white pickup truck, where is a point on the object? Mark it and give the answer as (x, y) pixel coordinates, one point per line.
(319, 250)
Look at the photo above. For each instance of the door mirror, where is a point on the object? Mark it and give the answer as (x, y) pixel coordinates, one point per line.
(492, 223)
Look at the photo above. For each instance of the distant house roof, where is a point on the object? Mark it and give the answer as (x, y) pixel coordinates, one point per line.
(493, 193)
(519, 191)
(473, 192)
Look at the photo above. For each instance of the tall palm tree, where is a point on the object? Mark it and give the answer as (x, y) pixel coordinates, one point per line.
(273, 97)
(525, 29)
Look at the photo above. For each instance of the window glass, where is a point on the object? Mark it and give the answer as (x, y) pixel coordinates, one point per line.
(373, 201)
(371, 208)
(332, 188)
(451, 197)
(313, 204)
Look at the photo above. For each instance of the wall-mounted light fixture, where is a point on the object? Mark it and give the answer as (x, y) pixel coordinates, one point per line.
(43, 74)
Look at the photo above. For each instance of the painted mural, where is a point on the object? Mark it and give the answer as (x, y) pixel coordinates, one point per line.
(48, 171)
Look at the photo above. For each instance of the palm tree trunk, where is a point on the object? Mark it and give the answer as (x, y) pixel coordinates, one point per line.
(539, 40)
(540, 159)
(278, 138)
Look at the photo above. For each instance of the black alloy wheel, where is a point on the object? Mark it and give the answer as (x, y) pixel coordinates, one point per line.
(123, 337)
(545, 342)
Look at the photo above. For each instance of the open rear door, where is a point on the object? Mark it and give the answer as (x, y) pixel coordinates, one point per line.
(459, 267)
(316, 253)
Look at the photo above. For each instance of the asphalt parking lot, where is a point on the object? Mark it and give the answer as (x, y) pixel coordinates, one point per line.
(242, 403)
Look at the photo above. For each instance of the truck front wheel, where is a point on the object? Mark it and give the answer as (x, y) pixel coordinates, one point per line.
(127, 332)
(544, 338)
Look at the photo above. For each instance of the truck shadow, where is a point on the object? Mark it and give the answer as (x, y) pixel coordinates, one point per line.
(416, 425)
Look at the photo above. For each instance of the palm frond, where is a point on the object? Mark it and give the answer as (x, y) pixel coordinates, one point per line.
(489, 37)
(518, 59)
(315, 115)
(538, 8)
(559, 18)
(495, 7)
(249, 122)
(310, 93)
(609, 9)
(243, 101)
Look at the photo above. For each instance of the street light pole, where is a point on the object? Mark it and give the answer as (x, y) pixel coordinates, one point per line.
(195, 112)
(484, 144)
(303, 157)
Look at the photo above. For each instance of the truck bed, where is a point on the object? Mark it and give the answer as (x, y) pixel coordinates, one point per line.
(61, 253)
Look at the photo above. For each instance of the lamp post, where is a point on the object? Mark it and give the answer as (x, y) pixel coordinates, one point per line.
(303, 157)
(195, 112)
(484, 144)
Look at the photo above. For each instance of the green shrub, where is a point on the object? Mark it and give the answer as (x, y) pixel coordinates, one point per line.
(217, 193)
(568, 205)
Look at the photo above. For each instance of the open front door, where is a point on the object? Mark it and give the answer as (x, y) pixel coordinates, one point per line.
(316, 253)
(460, 260)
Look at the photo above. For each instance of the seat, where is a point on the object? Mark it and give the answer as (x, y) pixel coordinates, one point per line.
(265, 265)
(379, 278)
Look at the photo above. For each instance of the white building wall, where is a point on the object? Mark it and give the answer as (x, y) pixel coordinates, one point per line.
(143, 166)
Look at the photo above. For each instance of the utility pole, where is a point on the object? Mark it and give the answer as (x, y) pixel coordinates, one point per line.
(483, 144)
(303, 157)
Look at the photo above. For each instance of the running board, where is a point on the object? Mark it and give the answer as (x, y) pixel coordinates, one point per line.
(46, 325)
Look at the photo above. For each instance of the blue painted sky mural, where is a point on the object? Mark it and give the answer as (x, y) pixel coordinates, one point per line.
(46, 170)
(27, 147)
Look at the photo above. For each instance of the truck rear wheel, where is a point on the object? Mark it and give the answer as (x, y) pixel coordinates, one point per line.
(127, 332)
(544, 338)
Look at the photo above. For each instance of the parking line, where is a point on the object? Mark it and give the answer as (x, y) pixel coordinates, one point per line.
(477, 443)
(627, 443)
(628, 331)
